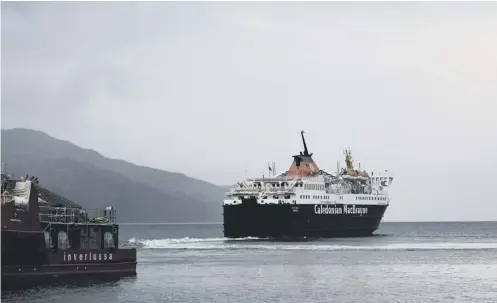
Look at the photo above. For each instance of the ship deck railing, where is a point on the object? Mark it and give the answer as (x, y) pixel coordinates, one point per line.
(285, 178)
(291, 179)
(264, 191)
(67, 215)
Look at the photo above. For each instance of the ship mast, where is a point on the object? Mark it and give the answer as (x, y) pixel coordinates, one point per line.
(306, 151)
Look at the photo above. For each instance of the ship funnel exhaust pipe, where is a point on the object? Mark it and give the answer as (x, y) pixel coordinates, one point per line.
(306, 151)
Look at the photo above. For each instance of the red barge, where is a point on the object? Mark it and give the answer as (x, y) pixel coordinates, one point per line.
(46, 236)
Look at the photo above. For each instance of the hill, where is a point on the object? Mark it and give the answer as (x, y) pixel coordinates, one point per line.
(140, 194)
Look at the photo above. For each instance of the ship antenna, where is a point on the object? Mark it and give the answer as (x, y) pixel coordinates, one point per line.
(306, 152)
(348, 159)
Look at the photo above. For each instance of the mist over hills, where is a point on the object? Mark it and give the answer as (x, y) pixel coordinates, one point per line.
(140, 194)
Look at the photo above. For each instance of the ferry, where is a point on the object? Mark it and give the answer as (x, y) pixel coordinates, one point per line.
(307, 202)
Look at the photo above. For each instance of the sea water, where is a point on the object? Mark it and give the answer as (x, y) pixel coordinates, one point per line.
(403, 262)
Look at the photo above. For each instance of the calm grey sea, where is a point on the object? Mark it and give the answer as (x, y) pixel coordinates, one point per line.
(404, 262)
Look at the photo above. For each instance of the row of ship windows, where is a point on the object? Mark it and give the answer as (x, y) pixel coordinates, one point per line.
(327, 197)
(382, 179)
(313, 197)
(316, 197)
(314, 186)
(370, 198)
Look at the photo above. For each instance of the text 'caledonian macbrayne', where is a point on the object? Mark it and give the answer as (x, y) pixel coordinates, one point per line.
(337, 210)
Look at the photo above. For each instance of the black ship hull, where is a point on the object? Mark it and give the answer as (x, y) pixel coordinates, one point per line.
(250, 219)
(26, 261)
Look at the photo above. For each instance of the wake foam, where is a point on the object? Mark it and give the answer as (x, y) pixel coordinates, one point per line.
(327, 245)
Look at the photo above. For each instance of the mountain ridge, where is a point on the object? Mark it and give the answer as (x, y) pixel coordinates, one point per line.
(89, 150)
(44, 154)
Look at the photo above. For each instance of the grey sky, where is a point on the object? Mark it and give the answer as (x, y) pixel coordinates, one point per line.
(216, 90)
